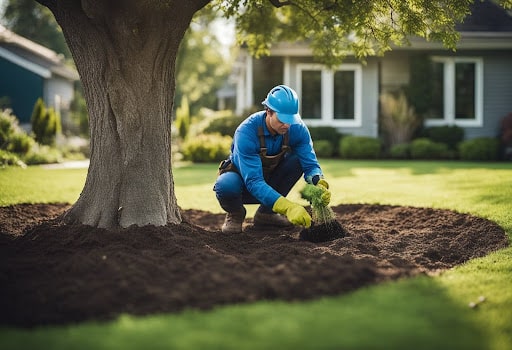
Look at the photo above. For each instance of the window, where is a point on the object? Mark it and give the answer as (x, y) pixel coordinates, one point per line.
(330, 97)
(457, 92)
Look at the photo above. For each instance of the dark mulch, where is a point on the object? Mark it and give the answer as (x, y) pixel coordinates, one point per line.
(58, 274)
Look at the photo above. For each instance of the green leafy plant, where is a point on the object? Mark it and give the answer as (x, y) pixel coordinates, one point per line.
(321, 213)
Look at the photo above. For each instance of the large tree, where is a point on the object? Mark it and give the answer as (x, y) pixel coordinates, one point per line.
(125, 52)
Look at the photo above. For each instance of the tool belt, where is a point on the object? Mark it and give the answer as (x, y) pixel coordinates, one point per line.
(227, 166)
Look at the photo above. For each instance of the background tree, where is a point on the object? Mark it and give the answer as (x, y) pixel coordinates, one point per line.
(201, 67)
(125, 52)
(35, 22)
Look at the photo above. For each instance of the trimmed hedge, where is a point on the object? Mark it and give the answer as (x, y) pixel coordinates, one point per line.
(451, 135)
(206, 148)
(324, 148)
(424, 148)
(359, 147)
(482, 148)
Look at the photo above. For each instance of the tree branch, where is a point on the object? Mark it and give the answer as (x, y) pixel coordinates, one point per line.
(279, 3)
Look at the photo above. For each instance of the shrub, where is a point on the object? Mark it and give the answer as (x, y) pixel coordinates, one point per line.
(482, 148)
(327, 133)
(206, 148)
(224, 125)
(45, 123)
(324, 148)
(400, 151)
(423, 148)
(399, 120)
(8, 158)
(12, 137)
(451, 135)
(359, 147)
(42, 154)
(183, 118)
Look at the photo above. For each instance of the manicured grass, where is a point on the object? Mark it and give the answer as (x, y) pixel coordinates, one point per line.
(418, 313)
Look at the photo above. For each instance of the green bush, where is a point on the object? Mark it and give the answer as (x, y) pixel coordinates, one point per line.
(224, 125)
(482, 148)
(323, 148)
(45, 123)
(8, 158)
(450, 135)
(359, 147)
(326, 133)
(20, 143)
(400, 151)
(423, 148)
(43, 154)
(206, 148)
(12, 137)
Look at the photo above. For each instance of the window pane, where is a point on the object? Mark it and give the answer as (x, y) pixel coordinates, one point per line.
(465, 91)
(344, 95)
(311, 94)
(267, 73)
(437, 106)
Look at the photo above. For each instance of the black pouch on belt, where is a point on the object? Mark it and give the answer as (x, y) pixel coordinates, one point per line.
(226, 166)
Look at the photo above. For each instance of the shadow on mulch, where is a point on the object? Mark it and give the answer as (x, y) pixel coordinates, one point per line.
(58, 274)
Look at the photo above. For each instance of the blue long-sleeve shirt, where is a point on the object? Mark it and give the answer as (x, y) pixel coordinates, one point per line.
(245, 154)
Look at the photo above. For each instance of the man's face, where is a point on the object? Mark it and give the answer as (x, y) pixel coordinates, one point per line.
(277, 125)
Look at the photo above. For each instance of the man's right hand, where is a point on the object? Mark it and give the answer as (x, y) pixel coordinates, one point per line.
(295, 213)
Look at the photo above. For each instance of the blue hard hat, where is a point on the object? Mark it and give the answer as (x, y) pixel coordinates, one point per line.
(284, 101)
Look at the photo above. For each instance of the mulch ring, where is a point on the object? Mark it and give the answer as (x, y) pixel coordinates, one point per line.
(52, 273)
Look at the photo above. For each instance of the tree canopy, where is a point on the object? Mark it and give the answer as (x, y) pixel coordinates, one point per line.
(336, 28)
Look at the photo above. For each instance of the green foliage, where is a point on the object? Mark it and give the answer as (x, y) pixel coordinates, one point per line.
(201, 66)
(224, 125)
(183, 118)
(12, 137)
(423, 148)
(450, 135)
(398, 119)
(35, 22)
(7, 158)
(359, 147)
(43, 154)
(321, 213)
(328, 133)
(338, 28)
(400, 151)
(45, 123)
(206, 148)
(482, 148)
(324, 148)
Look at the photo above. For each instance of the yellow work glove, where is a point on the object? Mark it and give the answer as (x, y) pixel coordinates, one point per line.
(326, 195)
(295, 213)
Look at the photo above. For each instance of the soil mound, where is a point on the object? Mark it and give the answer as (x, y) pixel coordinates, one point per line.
(56, 274)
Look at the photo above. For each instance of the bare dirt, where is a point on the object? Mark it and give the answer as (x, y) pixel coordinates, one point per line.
(52, 273)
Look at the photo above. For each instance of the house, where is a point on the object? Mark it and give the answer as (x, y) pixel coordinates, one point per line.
(470, 87)
(29, 71)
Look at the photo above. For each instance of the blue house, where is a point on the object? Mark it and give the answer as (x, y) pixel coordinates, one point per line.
(472, 86)
(29, 71)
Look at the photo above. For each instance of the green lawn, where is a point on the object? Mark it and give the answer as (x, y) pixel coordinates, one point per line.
(418, 313)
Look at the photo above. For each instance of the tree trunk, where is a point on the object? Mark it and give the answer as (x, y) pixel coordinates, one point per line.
(125, 54)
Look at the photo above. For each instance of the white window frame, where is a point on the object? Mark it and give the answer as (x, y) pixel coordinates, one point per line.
(449, 92)
(327, 94)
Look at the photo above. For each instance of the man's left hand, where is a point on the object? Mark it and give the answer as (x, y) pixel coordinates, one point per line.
(326, 195)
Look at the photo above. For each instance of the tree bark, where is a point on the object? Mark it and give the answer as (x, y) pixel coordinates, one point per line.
(125, 54)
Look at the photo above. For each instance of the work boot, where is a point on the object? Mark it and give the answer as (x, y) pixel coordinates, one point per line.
(271, 219)
(233, 221)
